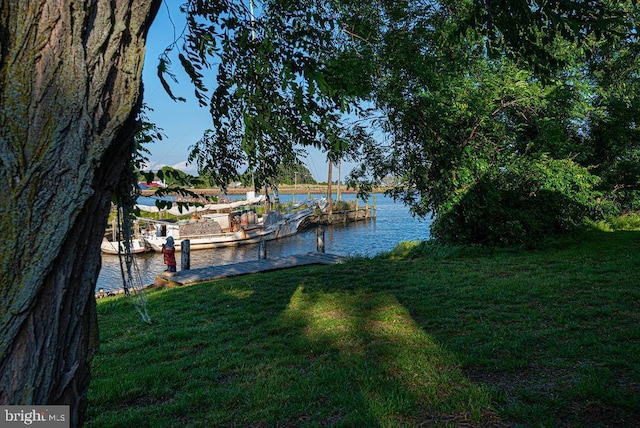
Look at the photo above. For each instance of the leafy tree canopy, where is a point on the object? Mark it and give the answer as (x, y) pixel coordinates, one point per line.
(470, 110)
(457, 93)
(272, 97)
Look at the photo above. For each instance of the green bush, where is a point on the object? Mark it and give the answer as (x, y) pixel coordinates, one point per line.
(522, 204)
(629, 221)
(343, 206)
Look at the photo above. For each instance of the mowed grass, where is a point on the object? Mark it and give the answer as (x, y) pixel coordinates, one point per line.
(424, 336)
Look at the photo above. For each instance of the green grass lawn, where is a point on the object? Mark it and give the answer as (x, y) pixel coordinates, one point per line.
(424, 336)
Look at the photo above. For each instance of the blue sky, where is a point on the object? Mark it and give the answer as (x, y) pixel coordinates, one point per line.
(183, 123)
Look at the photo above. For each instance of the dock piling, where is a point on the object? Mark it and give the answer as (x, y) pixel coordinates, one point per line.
(320, 239)
(186, 255)
(262, 250)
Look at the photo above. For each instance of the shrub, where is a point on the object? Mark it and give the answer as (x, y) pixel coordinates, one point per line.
(523, 204)
(629, 221)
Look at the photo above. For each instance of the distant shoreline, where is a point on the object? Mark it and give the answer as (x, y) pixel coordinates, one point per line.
(284, 189)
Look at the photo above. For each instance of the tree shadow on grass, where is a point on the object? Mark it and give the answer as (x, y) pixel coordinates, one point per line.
(553, 333)
(277, 350)
(399, 375)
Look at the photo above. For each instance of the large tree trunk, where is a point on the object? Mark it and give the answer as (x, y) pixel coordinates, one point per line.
(70, 89)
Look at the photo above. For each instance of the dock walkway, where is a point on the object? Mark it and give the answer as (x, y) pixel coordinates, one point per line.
(211, 273)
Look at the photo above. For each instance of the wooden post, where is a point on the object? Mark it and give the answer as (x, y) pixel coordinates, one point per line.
(357, 215)
(339, 196)
(320, 239)
(114, 231)
(262, 250)
(329, 189)
(375, 206)
(186, 255)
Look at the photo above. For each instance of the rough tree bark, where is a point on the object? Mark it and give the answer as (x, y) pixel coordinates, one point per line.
(70, 89)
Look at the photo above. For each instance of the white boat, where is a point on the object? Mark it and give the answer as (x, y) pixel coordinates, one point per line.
(111, 247)
(251, 200)
(228, 229)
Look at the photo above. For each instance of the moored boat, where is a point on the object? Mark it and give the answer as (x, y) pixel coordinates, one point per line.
(217, 225)
(112, 242)
(227, 229)
(137, 246)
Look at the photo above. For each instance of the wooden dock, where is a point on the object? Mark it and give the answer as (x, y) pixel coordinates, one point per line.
(211, 273)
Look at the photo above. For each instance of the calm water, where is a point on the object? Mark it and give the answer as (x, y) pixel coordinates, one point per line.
(393, 224)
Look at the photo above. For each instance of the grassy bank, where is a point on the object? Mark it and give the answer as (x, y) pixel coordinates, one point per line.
(425, 336)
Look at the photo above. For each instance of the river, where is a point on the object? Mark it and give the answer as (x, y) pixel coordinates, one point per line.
(393, 224)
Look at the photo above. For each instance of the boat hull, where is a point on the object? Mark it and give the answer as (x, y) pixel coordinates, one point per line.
(137, 246)
(214, 241)
(284, 226)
